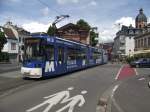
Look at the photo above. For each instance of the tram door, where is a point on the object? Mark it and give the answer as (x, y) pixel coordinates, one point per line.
(61, 59)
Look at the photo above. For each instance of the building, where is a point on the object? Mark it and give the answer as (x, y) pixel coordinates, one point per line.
(20, 34)
(141, 20)
(142, 42)
(124, 41)
(108, 47)
(11, 47)
(73, 32)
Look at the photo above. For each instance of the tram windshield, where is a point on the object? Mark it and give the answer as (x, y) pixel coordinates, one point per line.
(34, 49)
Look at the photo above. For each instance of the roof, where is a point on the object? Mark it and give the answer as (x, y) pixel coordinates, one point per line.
(141, 16)
(72, 26)
(9, 33)
(68, 25)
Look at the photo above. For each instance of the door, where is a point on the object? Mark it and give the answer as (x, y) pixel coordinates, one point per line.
(61, 60)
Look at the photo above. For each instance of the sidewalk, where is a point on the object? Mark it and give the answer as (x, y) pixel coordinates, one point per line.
(9, 67)
(132, 96)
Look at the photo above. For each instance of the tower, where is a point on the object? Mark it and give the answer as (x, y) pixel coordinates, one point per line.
(141, 19)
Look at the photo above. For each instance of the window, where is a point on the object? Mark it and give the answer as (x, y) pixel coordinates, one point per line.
(60, 54)
(96, 55)
(13, 46)
(149, 41)
(139, 43)
(145, 42)
(136, 44)
(82, 54)
(131, 32)
(49, 49)
(73, 54)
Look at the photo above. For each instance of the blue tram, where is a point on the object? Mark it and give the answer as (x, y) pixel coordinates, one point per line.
(46, 56)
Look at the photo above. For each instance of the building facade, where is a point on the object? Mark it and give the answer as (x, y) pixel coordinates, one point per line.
(142, 42)
(11, 47)
(141, 20)
(73, 32)
(20, 34)
(124, 41)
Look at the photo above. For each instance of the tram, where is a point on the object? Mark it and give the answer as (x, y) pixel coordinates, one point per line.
(46, 56)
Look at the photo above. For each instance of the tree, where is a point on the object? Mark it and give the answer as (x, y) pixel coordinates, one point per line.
(93, 36)
(3, 40)
(83, 24)
(51, 31)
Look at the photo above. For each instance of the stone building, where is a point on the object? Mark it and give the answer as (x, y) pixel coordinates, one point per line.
(142, 41)
(141, 20)
(128, 39)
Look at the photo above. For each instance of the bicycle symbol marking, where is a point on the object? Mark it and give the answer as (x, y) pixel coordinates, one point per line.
(61, 98)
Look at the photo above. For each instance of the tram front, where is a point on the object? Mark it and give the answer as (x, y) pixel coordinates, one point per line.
(33, 58)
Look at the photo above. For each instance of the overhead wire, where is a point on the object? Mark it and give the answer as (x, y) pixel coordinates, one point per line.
(43, 3)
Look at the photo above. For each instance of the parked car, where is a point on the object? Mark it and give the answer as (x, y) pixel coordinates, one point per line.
(143, 62)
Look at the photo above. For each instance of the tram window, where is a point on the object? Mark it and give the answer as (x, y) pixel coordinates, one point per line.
(60, 54)
(82, 55)
(96, 55)
(71, 54)
(49, 52)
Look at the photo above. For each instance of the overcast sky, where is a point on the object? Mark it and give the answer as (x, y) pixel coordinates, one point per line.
(35, 16)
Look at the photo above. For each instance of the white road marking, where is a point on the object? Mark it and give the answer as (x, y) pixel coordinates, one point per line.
(61, 98)
(116, 105)
(78, 99)
(140, 79)
(119, 72)
(83, 92)
(70, 88)
(114, 89)
(136, 71)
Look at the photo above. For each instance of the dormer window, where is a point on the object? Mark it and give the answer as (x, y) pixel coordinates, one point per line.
(131, 32)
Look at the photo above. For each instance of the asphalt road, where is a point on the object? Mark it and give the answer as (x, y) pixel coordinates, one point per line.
(77, 92)
(133, 94)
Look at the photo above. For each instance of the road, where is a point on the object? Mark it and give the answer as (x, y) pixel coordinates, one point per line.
(119, 85)
(89, 84)
(133, 95)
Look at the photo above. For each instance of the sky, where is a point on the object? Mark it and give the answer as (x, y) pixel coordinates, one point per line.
(107, 15)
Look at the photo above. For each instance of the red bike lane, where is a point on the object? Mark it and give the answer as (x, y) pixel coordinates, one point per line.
(125, 72)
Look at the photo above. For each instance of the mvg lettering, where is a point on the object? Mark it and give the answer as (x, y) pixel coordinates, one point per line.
(49, 66)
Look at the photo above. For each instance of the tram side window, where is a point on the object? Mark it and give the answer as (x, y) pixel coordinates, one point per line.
(96, 55)
(82, 55)
(71, 54)
(60, 54)
(49, 49)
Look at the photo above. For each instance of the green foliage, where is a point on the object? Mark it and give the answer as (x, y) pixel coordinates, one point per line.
(4, 57)
(3, 40)
(93, 37)
(51, 31)
(130, 59)
(83, 24)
